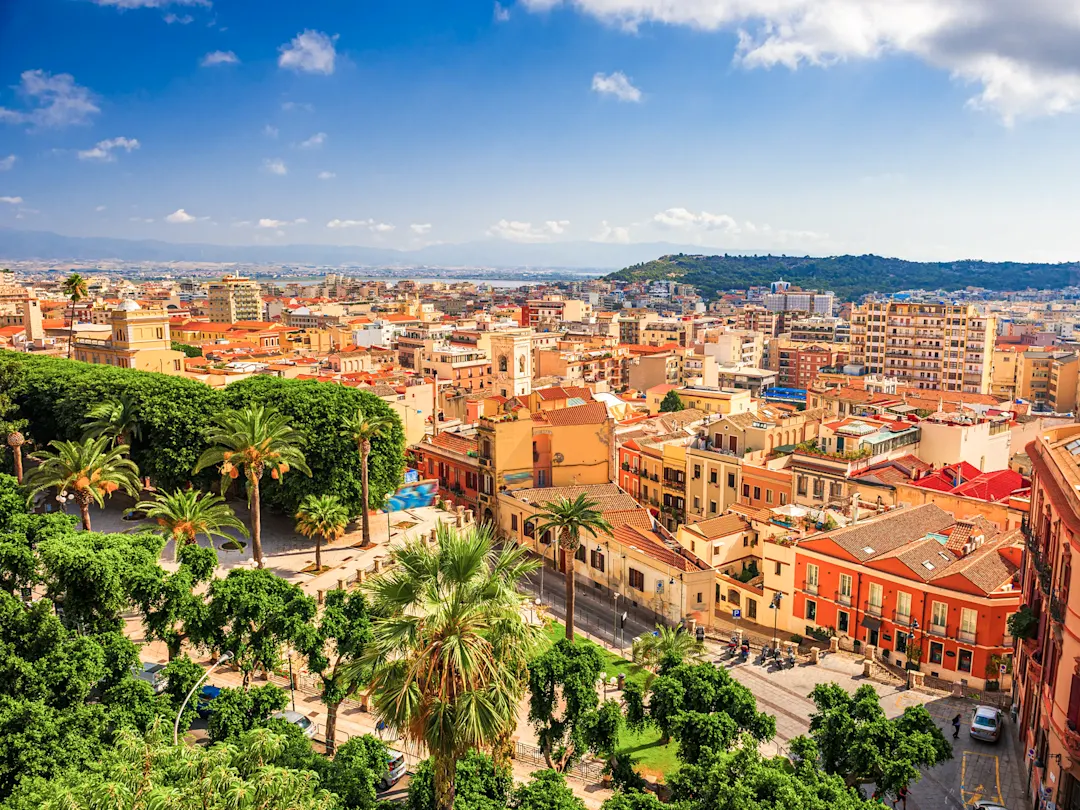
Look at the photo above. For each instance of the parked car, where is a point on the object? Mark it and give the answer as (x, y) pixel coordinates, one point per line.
(298, 720)
(395, 769)
(206, 695)
(980, 805)
(151, 673)
(986, 723)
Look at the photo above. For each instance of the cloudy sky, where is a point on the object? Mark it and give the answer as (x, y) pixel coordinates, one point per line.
(921, 128)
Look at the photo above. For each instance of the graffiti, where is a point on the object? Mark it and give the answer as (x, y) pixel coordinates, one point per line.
(412, 496)
(517, 478)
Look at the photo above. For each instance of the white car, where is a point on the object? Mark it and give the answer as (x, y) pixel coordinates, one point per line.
(298, 720)
(395, 769)
(151, 673)
(986, 723)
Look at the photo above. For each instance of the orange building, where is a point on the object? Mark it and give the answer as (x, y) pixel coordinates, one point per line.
(915, 572)
(764, 487)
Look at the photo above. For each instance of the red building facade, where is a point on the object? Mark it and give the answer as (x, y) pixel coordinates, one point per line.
(451, 459)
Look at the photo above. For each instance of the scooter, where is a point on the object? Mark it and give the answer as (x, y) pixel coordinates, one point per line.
(744, 653)
(732, 647)
(766, 656)
(790, 660)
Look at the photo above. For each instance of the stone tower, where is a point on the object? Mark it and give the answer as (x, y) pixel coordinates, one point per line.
(511, 364)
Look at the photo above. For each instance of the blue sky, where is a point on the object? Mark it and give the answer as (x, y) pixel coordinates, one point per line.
(921, 128)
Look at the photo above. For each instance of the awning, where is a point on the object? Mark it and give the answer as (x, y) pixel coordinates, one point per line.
(870, 623)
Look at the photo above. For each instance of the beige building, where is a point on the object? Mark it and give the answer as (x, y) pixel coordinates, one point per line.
(737, 346)
(716, 400)
(139, 339)
(1048, 379)
(946, 347)
(233, 299)
(950, 438)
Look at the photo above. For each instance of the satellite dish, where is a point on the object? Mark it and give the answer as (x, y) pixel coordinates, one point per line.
(558, 458)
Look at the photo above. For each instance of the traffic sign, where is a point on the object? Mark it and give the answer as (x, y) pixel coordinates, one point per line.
(736, 613)
(1003, 669)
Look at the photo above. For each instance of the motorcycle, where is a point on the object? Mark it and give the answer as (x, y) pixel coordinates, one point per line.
(744, 653)
(791, 660)
(732, 648)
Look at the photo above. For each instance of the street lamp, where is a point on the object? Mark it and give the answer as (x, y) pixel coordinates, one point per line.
(910, 641)
(226, 656)
(775, 605)
(64, 498)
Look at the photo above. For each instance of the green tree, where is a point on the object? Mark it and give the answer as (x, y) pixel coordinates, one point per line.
(480, 784)
(237, 711)
(90, 469)
(250, 442)
(181, 674)
(568, 519)
(564, 677)
(357, 768)
(253, 614)
(437, 679)
(858, 743)
(363, 429)
(545, 790)
(340, 639)
(671, 402)
(171, 606)
(189, 351)
(1023, 623)
(650, 649)
(149, 772)
(323, 517)
(115, 418)
(74, 289)
(12, 424)
(184, 514)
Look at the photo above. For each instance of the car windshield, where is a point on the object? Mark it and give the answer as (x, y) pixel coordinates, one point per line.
(303, 722)
(395, 758)
(986, 720)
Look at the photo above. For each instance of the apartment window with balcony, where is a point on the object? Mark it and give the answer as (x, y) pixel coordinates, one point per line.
(903, 607)
(939, 616)
(968, 619)
(637, 579)
(778, 569)
(811, 578)
(845, 589)
(819, 489)
(783, 498)
(873, 605)
(580, 553)
(697, 504)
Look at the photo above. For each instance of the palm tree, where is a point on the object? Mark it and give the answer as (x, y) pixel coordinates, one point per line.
(568, 519)
(447, 635)
(323, 517)
(114, 418)
(251, 441)
(363, 429)
(186, 513)
(74, 287)
(16, 440)
(90, 469)
(651, 649)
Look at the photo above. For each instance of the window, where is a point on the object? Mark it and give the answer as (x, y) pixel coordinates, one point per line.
(939, 615)
(801, 486)
(903, 605)
(968, 620)
(717, 596)
(845, 585)
(731, 480)
(963, 660)
(811, 611)
(819, 488)
(502, 362)
(812, 576)
(901, 642)
(751, 608)
(757, 493)
(529, 529)
(768, 496)
(745, 541)
(697, 504)
(597, 560)
(746, 490)
(513, 522)
(835, 489)
(699, 599)
(580, 553)
(842, 619)
(697, 471)
(712, 507)
(783, 498)
(778, 569)
(876, 593)
(937, 652)
(712, 476)
(637, 579)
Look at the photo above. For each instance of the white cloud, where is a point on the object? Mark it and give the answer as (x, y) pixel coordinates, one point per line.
(11, 200)
(140, 219)
(103, 150)
(220, 58)
(309, 52)
(177, 19)
(420, 228)
(382, 227)
(275, 166)
(326, 175)
(502, 13)
(180, 217)
(100, 208)
(1020, 56)
(713, 229)
(615, 84)
(7, 163)
(273, 224)
(525, 232)
(129, 4)
(241, 224)
(612, 233)
(52, 101)
(314, 142)
(684, 220)
(291, 106)
(370, 224)
(270, 131)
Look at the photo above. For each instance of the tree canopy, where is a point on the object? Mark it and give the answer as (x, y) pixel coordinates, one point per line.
(671, 402)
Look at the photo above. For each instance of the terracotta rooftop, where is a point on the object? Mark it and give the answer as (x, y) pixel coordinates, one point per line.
(608, 496)
(592, 413)
(719, 526)
(651, 544)
(881, 535)
(453, 441)
(563, 392)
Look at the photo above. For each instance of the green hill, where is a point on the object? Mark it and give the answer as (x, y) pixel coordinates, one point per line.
(850, 277)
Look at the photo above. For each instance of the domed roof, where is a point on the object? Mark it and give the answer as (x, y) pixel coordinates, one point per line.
(129, 305)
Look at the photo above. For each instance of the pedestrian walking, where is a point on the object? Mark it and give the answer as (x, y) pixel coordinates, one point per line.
(956, 727)
(901, 796)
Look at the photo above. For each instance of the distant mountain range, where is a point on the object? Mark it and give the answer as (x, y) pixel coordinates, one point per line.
(47, 246)
(850, 277)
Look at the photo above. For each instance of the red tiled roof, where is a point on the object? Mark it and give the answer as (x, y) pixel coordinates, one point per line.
(452, 441)
(592, 413)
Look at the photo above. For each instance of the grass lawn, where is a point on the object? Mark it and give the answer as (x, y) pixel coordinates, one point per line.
(650, 758)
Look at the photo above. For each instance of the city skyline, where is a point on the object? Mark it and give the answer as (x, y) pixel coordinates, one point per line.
(921, 132)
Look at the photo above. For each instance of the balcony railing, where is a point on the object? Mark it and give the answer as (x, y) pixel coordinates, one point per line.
(902, 618)
(843, 598)
(938, 630)
(1057, 610)
(873, 610)
(965, 636)
(810, 587)
(672, 484)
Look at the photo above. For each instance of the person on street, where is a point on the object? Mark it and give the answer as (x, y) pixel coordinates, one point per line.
(956, 727)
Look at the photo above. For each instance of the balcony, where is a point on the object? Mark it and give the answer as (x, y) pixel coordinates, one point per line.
(873, 610)
(902, 618)
(1071, 739)
(1057, 611)
(938, 630)
(484, 462)
(842, 598)
(965, 636)
(673, 484)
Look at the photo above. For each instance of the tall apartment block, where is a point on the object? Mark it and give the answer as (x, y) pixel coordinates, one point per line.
(233, 299)
(934, 346)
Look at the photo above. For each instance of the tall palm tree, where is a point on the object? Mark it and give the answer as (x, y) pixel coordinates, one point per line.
(90, 469)
(568, 519)
(363, 429)
(447, 632)
(114, 418)
(74, 287)
(650, 649)
(252, 441)
(186, 513)
(16, 440)
(323, 517)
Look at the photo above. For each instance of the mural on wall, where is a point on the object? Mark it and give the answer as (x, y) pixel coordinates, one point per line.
(413, 496)
(510, 479)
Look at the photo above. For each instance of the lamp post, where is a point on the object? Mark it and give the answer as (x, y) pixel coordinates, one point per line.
(226, 656)
(64, 498)
(910, 641)
(775, 605)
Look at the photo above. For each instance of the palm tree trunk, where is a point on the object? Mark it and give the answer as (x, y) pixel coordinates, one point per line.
(256, 524)
(71, 330)
(331, 728)
(318, 553)
(445, 771)
(569, 594)
(84, 511)
(365, 451)
(16, 455)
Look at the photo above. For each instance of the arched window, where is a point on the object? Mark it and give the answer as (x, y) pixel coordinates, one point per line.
(521, 364)
(502, 362)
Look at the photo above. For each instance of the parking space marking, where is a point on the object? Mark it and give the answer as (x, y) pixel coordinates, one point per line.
(978, 790)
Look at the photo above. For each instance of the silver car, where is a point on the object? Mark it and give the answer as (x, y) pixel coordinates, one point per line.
(152, 674)
(298, 720)
(986, 723)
